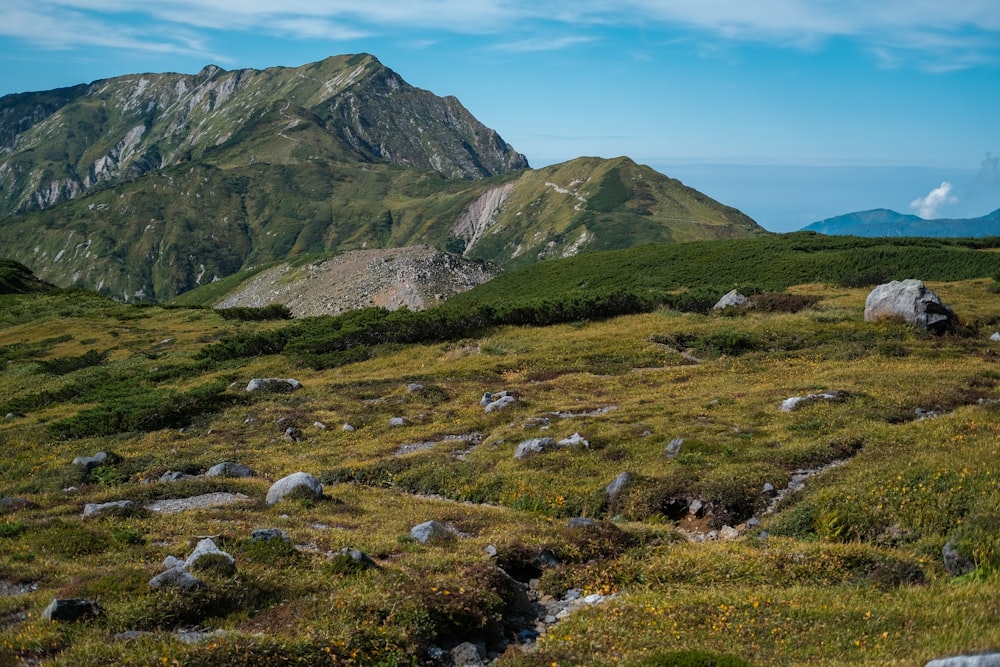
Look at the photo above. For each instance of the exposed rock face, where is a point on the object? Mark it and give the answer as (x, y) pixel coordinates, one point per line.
(731, 299)
(477, 219)
(416, 277)
(911, 301)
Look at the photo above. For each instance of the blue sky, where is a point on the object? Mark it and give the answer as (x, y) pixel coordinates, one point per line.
(791, 110)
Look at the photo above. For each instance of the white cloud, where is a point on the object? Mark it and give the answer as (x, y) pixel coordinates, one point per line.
(928, 33)
(927, 207)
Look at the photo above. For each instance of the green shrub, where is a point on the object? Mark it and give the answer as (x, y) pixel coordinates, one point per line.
(274, 311)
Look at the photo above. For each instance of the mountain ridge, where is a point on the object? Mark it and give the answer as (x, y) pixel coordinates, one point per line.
(886, 222)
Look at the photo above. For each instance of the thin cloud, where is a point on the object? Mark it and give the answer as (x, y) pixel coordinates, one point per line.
(542, 44)
(928, 34)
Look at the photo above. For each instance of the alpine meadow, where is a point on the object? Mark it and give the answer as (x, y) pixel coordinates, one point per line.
(308, 366)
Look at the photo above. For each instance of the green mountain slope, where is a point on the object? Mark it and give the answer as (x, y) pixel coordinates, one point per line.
(148, 186)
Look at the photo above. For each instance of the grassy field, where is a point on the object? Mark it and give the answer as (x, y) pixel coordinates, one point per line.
(847, 570)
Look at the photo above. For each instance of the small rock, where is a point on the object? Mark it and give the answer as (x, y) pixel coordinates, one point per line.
(429, 531)
(769, 490)
(414, 387)
(397, 421)
(674, 447)
(296, 484)
(796, 402)
(981, 660)
(731, 299)
(207, 556)
(995, 337)
(71, 610)
(293, 434)
(358, 556)
(580, 522)
(347, 427)
(728, 533)
(174, 476)
(265, 534)
(533, 446)
(274, 385)
(617, 485)
(498, 401)
(955, 563)
(91, 462)
(171, 562)
(229, 469)
(320, 425)
(574, 440)
(114, 507)
(176, 577)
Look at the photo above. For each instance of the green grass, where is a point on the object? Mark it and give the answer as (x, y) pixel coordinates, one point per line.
(851, 571)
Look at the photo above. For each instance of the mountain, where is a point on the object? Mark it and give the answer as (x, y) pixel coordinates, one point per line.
(885, 222)
(148, 186)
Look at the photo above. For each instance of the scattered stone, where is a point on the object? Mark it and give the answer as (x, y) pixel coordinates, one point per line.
(296, 484)
(71, 610)
(696, 507)
(414, 387)
(91, 462)
(769, 490)
(293, 434)
(208, 556)
(274, 385)
(203, 501)
(358, 556)
(265, 534)
(955, 563)
(114, 507)
(195, 636)
(574, 440)
(176, 577)
(229, 469)
(581, 521)
(617, 485)
(533, 446)
(728, 533)
(674, 447)
(980, 660)
(795, 402)
(171, 562)
(731, 299)
(498, 401)
(320, 425)
(397, 421)
(431, 531)
(995, 337)
(174, 476)
(10, 504)
(911, 301)
(347, 427)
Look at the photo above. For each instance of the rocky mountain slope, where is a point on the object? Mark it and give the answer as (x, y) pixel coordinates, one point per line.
(886, 222)
(148, 186)
(416, 277)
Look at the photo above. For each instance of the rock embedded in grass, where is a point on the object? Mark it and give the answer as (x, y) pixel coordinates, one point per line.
(176, 577)
(431, 531)
(71, 610)
(911, 301)
(274, 385)
(229, 469)
(208, 556)
(533, 446)
(113, 507)
(298, 484)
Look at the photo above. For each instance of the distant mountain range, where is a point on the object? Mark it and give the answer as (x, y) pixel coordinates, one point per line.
(149, 185)
(885, 222)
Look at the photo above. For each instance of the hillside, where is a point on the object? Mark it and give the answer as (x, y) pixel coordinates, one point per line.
(144, 187)
(885, 222)
(710, 525)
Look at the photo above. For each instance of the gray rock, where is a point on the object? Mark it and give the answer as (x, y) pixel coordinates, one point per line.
(114, 507)
(575, 440)
(995, 337)
(91, 462)
(265, 534)
(617, 485)
(347, 427)
(795, 402)
(674, 447)
(207, 556)
(467, 654)
(430, 531)
(414, 387)
(955, 563)
(71, 610)
(203, 501)
(172, 562)
(176, 577)
(911, 301)
(397, 421)
(174, 476)
(981, 660)
(358, 556)
(296, 484)
(731, 299)
(274, 385)
(229, 469)
(293, 434)
(580, 522)
(533, 446)
(320, 425)
(498, 401)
